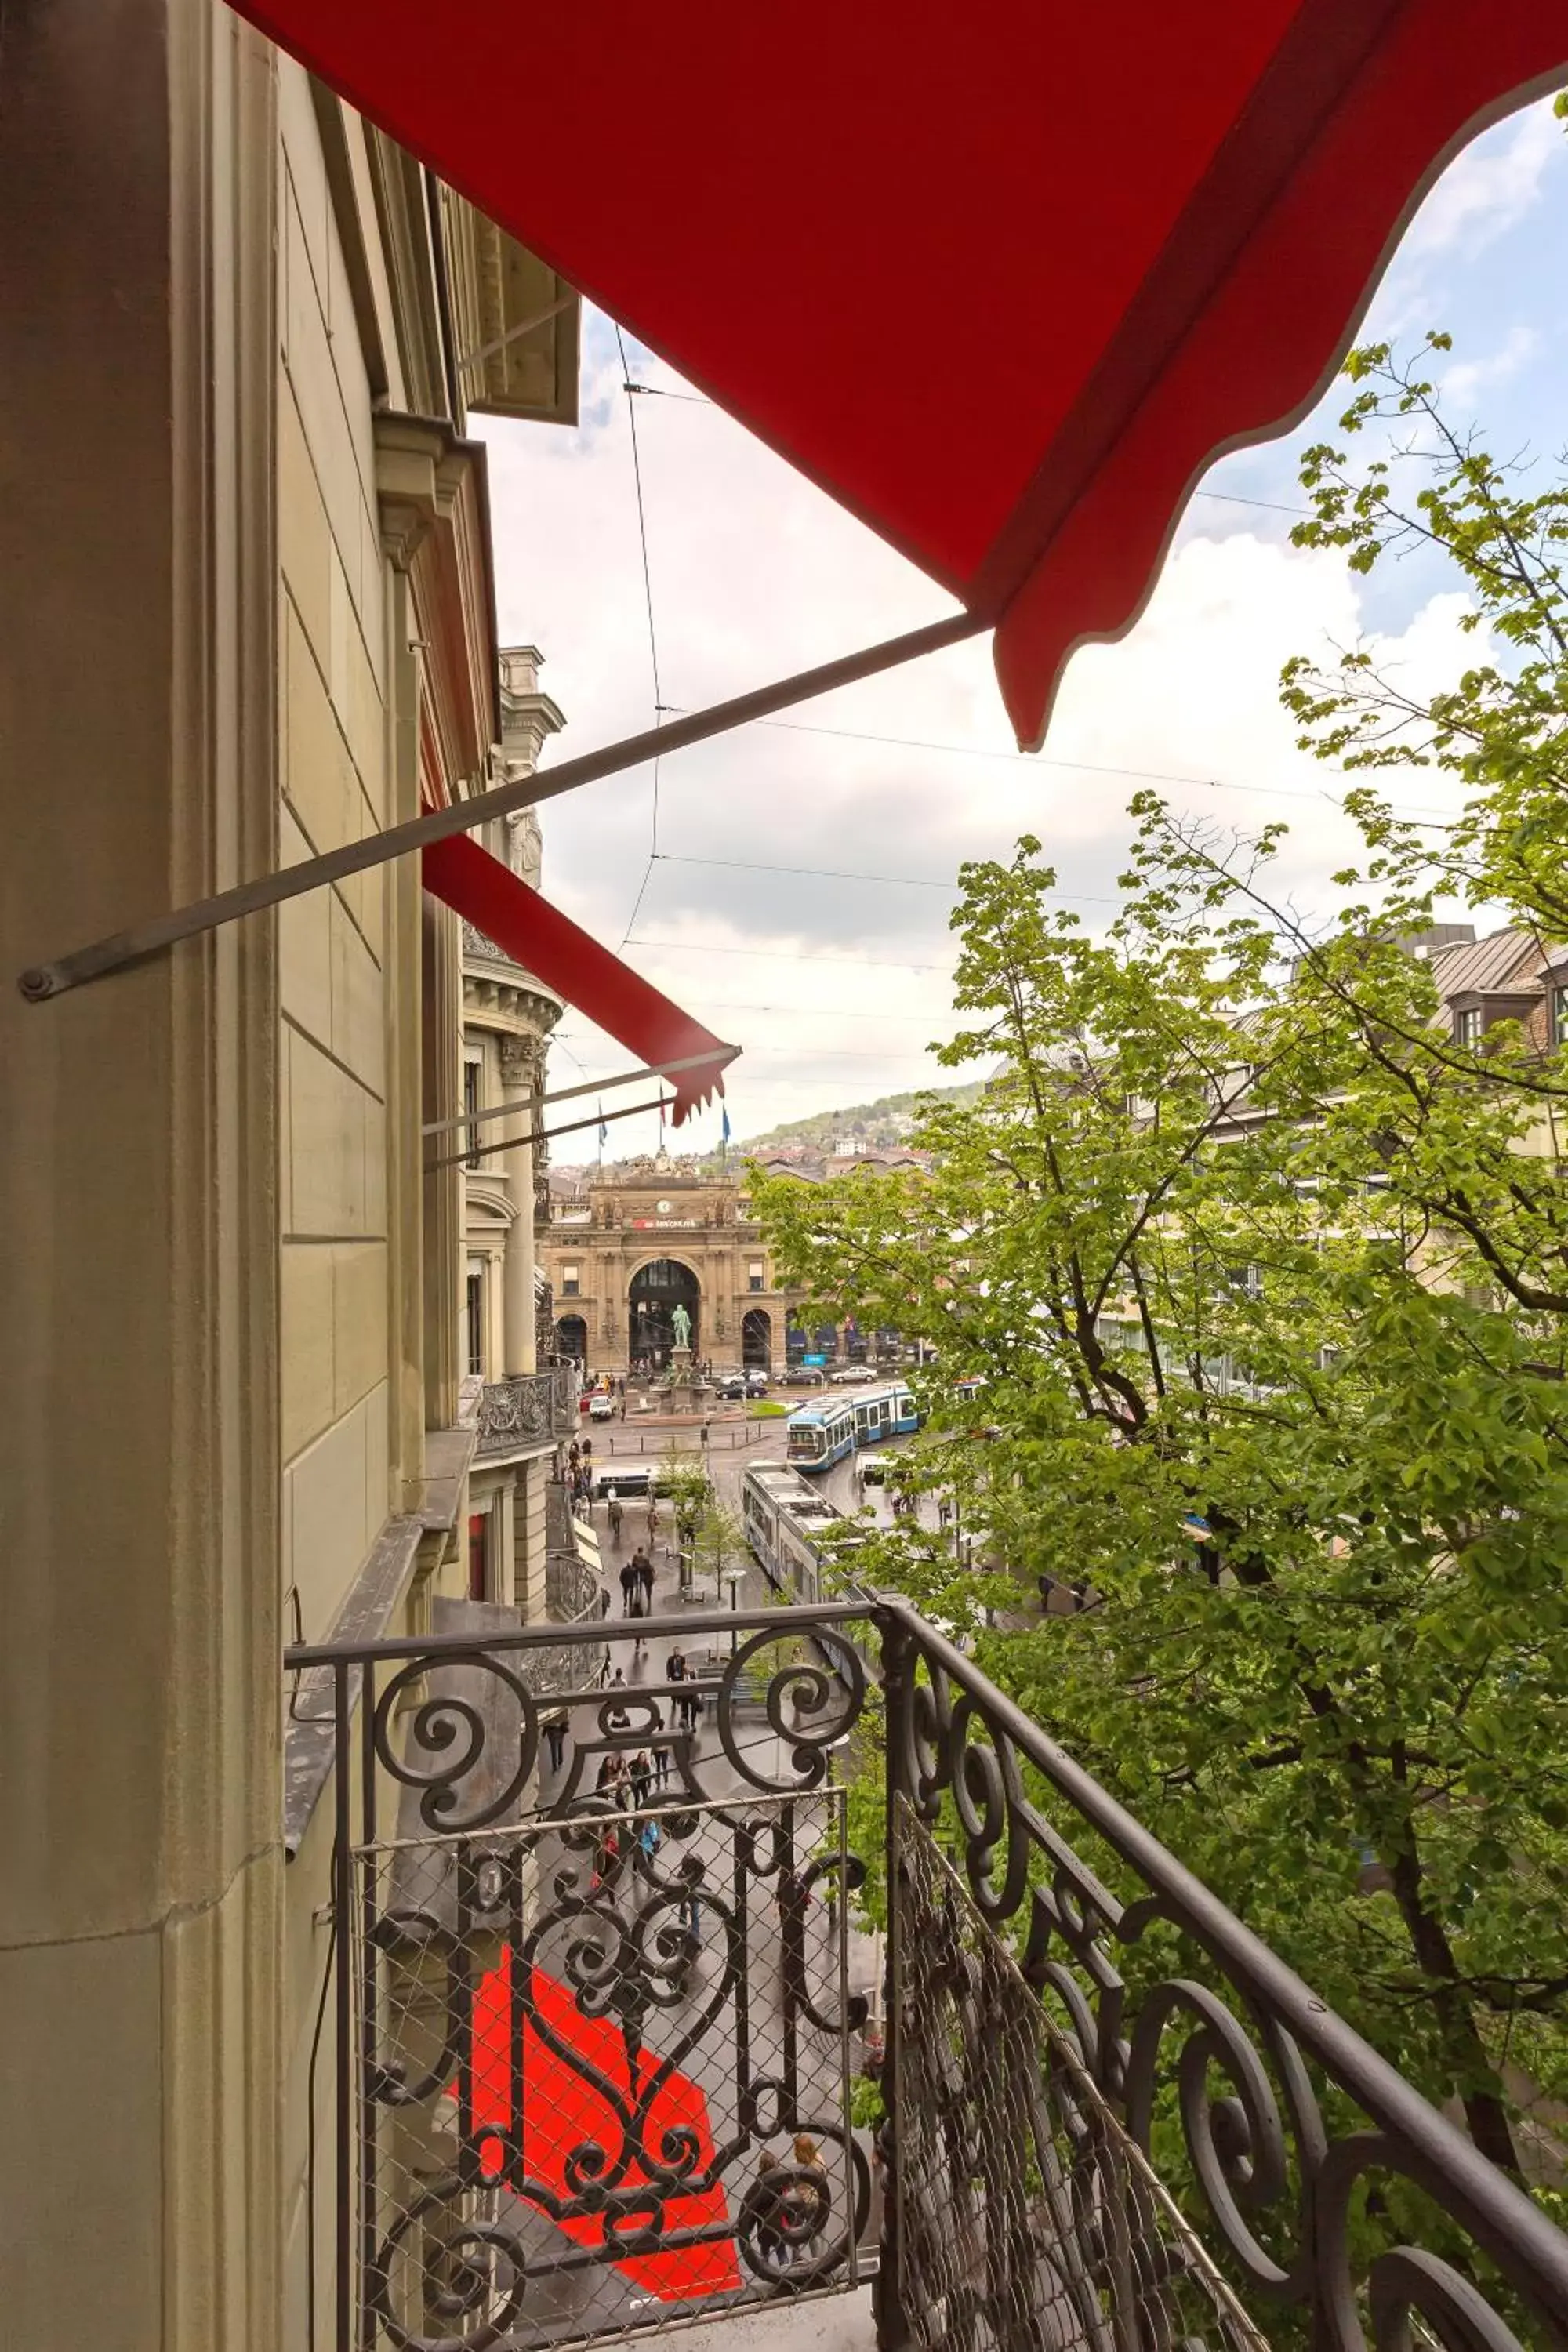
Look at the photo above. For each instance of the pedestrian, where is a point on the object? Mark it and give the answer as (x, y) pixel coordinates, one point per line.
(653, 1519)
(641, 1778)
(631, 1583)
(555, 1741)
(606, 1854)
(573, 1456)
(645, 1578)
(660, 1753)
(818, 2199)
(618, 1719)
(617, 1515)
(638, 1609)
(762, 2208)
(647, 1838)
(943, 1512)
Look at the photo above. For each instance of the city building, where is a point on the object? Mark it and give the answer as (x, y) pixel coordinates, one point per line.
(247, 331)
(507, 1016)
(249, 1691)
(623, 1246)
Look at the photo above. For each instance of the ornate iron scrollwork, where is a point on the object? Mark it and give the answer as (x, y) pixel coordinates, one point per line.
(586, 2017)
(1209, 2058)
(1114, 2119)
(516, 1410)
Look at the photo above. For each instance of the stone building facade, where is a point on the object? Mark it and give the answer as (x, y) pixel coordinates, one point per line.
(257, 625)
(507, 1016)
(632, 1241)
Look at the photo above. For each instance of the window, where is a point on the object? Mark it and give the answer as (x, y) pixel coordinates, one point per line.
(755, 1276)
(569, 1284)
(479, 1556)
(476, 1323)
(1559, 1013)
(1468, 1026)
(471, 1105)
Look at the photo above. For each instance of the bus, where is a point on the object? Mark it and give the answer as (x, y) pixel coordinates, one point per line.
(818, 1436)
(784, 1518)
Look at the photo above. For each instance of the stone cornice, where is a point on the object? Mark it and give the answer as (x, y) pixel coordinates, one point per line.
(433, 496)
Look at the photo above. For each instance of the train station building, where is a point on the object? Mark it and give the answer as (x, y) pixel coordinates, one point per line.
(625, 1246)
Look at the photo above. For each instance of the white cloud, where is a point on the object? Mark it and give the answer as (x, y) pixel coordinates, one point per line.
(1462, 381)
(834, 986)
(1490, 188)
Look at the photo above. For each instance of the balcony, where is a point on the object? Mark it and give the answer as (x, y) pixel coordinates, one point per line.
(527, 1409)
(605, 2068)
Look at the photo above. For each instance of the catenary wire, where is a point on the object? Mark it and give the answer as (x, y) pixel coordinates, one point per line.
(789, 955)
(835, 874)
(652, 632)
(1230, 497)
(1078, 766)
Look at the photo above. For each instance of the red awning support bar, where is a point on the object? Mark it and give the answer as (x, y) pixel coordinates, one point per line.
(122, 948)
(720, 1060)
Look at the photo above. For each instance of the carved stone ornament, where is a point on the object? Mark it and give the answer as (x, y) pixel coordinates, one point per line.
(521, 1061)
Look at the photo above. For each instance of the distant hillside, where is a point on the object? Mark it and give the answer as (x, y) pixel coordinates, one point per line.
(873, 1126)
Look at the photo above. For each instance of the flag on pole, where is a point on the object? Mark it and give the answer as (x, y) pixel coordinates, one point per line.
(604, 1130)
(724, 1138)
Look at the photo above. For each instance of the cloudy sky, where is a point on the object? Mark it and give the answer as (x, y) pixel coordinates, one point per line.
(835, 986)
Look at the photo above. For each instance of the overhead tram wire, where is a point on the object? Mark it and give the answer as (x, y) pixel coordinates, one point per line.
(1230, 497)
(1079, 766)
(658, 703)
(836, 874)
(977, 751)
(792, 955)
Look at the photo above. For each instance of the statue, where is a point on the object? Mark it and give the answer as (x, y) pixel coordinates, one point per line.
(680, 1324)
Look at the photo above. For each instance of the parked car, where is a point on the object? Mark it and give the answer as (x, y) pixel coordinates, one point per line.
(601, 1405)
(756, 1381)
(853, 1373)
(730, 1386)
(802, 1376)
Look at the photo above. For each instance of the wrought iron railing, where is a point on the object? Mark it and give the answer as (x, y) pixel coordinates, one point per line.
(526, 1407)
(577, 2012)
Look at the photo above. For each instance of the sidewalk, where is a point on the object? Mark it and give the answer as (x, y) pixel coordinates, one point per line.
(827, 2324)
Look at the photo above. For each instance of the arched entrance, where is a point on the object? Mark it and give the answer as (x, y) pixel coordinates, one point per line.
(657, 1291)
(572, 1337)
(757, 1340)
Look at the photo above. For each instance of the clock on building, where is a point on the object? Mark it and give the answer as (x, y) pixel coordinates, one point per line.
(662, 1208)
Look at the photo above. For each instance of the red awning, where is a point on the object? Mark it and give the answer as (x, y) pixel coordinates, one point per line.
(1003, 277)
(569, 961)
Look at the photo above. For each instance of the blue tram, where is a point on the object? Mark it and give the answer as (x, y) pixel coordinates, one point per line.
(823, 1432)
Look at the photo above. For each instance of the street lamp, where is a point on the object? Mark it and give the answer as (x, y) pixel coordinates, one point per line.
(734, 1577)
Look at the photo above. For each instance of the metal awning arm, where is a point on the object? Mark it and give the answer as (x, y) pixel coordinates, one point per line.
(122, 948)
(719, 1061)
(546, 1134)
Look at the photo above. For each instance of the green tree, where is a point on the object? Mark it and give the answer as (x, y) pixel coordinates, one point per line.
(720, 1544)
(1268, 1281)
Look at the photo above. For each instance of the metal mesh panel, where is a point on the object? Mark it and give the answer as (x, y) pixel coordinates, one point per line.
(1025, 2216)
(603, 2072)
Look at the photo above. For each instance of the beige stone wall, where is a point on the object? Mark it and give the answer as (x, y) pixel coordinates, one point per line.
(140, 1865)
(333, 945)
